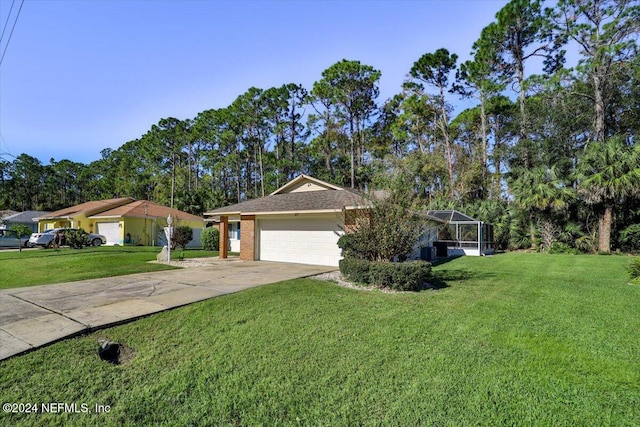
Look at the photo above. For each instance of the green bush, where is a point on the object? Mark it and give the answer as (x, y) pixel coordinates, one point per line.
(356, 270)
(400, 276)
(562, 248)
(634, 270)
(630, 238)
(210, 238)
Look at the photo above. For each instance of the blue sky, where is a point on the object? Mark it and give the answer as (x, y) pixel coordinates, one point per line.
(81, 76)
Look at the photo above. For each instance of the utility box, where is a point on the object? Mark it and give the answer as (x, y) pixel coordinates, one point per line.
(441, 249)
(428, 253)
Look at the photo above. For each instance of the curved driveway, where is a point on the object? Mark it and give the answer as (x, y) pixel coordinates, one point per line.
(39, 315)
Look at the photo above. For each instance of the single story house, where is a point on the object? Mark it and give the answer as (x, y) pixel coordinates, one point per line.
(300, 222)
(123, 221)
(27, 218)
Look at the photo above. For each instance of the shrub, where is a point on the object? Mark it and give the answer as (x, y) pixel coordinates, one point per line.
(210, 239)
(630, 238)
(356, 270)
(181, 236)
(404, 276)
(562, 248)
(77, 239)
(634, 270)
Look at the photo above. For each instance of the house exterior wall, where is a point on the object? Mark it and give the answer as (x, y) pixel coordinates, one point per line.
(139, 231)
(428, 237)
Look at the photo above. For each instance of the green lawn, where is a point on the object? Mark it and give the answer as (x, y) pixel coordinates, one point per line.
(514, 339)
(45, 266)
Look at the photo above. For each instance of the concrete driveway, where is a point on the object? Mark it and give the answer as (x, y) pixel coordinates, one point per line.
(39, 315)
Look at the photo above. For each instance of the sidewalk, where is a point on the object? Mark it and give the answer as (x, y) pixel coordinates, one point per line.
(35, 316)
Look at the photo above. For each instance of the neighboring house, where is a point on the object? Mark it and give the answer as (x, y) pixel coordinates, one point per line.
(27, 218)
(300, 222)
(134, 223)
(123, 221)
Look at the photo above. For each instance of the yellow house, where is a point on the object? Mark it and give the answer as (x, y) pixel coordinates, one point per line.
(123, 221)
(78, 216)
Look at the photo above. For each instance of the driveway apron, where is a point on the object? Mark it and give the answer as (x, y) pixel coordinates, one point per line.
(35, 316)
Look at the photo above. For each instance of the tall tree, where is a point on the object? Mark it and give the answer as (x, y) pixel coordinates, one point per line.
(606, 33)
(284, 111)
(434, 69)
(478, 78)
(353, 88)
(519, 33)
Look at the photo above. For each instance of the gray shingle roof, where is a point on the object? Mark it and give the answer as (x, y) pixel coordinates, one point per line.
(24, 217)
(296, 202)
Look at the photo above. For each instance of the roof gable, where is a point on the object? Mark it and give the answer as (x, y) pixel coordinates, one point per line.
(146, 209)
(303, 194)
(304, 183)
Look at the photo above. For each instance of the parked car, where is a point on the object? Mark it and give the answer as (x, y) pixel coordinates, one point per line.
(46, 238)
(8, 240)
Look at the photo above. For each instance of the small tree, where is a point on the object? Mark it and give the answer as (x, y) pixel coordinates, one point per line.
(388, 231)
(181, 236)
(20, 230)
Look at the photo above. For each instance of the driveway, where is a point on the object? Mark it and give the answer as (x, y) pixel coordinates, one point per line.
(39, 315)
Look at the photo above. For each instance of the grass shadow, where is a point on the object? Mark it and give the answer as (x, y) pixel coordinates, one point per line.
(441, 279)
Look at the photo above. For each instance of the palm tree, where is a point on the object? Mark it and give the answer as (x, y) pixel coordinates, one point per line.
(606, 174)
(540, 192)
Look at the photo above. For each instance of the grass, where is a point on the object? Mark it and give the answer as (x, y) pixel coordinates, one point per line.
(46, 266)
(514, 339)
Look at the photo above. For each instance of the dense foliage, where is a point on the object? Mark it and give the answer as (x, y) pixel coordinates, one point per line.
(549, 157)
(210, 239)
(388, 231)
(634, 270)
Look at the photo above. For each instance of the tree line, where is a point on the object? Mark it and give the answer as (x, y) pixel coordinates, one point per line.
(548, 153)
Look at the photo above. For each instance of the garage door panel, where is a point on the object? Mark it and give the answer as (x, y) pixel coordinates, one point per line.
(110, 230)
(307, 241)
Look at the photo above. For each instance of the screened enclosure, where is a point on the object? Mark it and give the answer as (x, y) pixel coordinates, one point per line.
(462, 234)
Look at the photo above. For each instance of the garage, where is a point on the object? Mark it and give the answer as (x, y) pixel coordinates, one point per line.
(299, 240)
(110, 230)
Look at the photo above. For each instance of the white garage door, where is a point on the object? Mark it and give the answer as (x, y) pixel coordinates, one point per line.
(303, 241)
(110, 230)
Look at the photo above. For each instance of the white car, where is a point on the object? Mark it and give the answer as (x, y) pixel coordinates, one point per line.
(45, 239)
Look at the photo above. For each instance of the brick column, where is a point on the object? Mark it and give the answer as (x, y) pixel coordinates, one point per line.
(224, 236)
(248, 237)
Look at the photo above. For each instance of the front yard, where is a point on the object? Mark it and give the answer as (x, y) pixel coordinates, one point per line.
(514, 339)
(47, 266)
